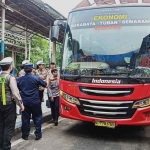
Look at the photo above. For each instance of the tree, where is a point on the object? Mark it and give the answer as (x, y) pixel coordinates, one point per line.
(19, 59)
(58, 54)
(39, 51)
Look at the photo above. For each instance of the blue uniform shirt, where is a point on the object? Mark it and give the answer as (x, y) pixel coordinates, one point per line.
(29, 88)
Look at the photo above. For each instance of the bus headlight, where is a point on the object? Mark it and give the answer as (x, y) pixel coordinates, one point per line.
(142, 103)
(69, 98)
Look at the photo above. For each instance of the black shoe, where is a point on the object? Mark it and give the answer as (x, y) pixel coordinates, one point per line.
(38, 138)
(56, 122)
(25, 138)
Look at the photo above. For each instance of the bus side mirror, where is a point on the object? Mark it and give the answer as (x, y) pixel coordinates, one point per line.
(54, 34)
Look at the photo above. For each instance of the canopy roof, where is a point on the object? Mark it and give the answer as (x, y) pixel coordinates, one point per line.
(33, 16)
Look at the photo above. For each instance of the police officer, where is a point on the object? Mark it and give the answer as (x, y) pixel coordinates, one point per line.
(42, 73)
(29, 88)
(52, 66)
(22, 72)
(9, 96)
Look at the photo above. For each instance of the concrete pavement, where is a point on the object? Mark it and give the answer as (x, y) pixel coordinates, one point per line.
(76, 135)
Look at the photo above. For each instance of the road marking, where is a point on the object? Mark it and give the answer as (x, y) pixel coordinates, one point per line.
(44, 127)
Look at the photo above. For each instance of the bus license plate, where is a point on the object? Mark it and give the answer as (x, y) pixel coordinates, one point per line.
(105, 124)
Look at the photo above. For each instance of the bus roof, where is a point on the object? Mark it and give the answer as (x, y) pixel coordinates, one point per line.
(113, 6)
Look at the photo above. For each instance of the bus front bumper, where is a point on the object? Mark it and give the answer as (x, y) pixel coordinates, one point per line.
(140, 117)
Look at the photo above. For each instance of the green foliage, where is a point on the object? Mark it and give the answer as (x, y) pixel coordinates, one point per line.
(39, 51)
(8, 53)
(58, 55)
(19, 59)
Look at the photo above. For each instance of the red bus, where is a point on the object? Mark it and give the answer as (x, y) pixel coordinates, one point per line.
(105, 72)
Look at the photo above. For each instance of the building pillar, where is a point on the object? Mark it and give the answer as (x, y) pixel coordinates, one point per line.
(3, 32)
(54, 52)
(140, 1)
(29, 50)
(26, 45)
(13, 57)
(50, 51)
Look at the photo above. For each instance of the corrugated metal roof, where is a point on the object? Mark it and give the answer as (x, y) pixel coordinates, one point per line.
(33, 16)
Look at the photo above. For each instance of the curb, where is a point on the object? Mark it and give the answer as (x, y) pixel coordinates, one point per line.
(45, 118)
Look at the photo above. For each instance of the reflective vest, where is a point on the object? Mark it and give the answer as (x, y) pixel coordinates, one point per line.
(3, 81)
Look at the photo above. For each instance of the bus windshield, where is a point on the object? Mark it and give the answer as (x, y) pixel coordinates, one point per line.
(108, 40)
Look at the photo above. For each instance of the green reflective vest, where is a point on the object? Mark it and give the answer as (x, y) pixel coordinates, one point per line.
(3, 81)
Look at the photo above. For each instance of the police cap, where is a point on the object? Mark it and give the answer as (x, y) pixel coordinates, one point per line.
(28, 66)
(52, 63)
(25, 62)
(6, 61)
(40, 63)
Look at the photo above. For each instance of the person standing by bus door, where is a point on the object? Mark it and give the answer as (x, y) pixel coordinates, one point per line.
(52, 66)
(42, 73)
(29, 88)
(53, 93)
(9, 97)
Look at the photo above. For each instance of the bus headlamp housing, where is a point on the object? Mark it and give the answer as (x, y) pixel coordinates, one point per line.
(69, 98)
(142, 103)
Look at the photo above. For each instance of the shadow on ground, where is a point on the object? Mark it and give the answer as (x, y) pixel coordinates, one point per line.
(120, 133)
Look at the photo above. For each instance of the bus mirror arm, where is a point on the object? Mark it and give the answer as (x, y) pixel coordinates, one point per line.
(60, 23)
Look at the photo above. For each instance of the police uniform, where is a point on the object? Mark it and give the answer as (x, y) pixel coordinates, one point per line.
(53, 91)
(29, 88)
(9, 96)
(22, 72)
(42, 74)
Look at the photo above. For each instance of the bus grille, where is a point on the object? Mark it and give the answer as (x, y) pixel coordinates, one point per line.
(109, 92)
(107, 109)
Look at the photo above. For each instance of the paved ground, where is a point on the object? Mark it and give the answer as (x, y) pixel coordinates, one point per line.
(75, 135)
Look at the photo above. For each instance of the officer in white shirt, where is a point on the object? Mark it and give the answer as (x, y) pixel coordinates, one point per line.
(9, 97)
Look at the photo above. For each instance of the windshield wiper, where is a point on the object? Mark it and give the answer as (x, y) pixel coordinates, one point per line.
(77, 77)
(71, 77)
(138, 80)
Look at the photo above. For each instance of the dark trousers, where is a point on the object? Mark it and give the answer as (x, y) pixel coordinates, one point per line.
(55, 108)
(7, 124)
(41, 93)
(36, 111)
